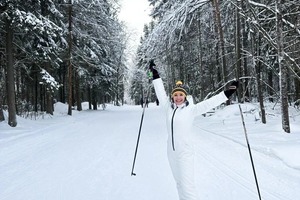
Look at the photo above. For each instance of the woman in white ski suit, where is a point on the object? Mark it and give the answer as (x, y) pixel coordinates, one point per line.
(180, 147)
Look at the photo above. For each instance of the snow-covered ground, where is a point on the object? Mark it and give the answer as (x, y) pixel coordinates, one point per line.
(89, 156)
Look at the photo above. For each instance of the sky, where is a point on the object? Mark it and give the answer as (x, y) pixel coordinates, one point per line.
(135, 13)
(89, 155)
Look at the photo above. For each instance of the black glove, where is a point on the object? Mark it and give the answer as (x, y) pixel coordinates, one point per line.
(154, 72)
(232, 88)
(152, 64)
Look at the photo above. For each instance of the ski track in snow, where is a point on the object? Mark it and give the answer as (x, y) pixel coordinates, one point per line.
(242, 177)
(232, 152)
(89, 156)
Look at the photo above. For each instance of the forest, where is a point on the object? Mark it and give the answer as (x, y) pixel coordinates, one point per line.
(76, 51)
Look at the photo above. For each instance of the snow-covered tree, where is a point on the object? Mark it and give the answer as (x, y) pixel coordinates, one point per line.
(39, 43)
(208, 43)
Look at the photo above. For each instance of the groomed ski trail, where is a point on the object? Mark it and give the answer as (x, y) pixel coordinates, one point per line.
(225, 158)
(89, 156)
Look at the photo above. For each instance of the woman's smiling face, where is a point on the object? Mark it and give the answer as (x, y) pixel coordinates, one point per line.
(178, 98)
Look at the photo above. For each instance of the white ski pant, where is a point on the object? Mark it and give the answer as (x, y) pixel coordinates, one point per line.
(182, 165)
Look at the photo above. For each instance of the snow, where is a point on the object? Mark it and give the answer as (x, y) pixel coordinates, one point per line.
(89, 155)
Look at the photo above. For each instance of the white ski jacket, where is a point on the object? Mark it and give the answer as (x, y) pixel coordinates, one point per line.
(179, 121)
(180, 118)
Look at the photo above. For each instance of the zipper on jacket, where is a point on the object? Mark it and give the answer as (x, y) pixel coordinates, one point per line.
(172, 131)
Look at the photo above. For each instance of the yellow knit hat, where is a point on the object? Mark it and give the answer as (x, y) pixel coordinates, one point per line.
(178, 88)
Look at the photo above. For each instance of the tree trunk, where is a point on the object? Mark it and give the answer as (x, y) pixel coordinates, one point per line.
(94, 98)
(283, 70)
(89, 97)
(245, 58)
(200, 58)
(62, 78)
(36, 84)
(238, 48)
(2, 118)
(270, 83)
(117, 87)
(49, 104)
(77, 92)
(259, 91)
(2, 93)
(10, 81)
(70, 71)
(220, 38)
(297, 88)
(257, 68)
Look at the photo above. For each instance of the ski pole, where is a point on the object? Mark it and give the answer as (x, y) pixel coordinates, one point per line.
(249, 149)
(139, 134)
